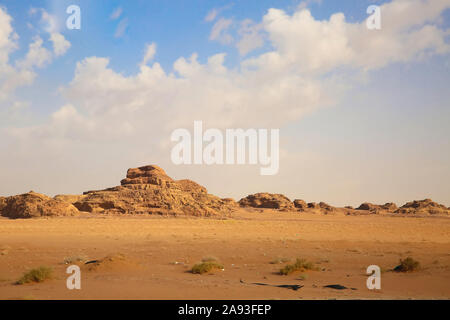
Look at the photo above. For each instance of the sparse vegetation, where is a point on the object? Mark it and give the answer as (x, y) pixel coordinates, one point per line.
(407, 265)
(36, 275)
(206, 267)
(279, 260)
(303, 277)
(75, 259)
(299, 265)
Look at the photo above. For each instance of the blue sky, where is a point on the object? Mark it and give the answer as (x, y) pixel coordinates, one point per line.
(380, 118)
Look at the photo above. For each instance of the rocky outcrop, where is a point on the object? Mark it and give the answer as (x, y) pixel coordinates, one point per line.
(375, 208)
(320, 207)
(326, 207)
(69, 198)
(2, 203)
(267, 201)
(31, 205)
(300, 204)
(149, 190)
(423, 207)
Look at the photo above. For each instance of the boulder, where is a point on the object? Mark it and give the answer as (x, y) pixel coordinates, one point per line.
(31, 205)
(149, 190)
(268, 201)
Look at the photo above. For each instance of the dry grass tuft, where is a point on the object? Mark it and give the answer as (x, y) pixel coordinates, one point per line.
(206, 267)
(299, 265)
(36, 275)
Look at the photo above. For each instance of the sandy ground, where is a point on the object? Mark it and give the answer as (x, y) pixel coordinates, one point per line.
(159, 253)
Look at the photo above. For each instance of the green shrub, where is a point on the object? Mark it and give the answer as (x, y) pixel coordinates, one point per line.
(299, 265)
(36, 275)
(407, 265)
(206, 267)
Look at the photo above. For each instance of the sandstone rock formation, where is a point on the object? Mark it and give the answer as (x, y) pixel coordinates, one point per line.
(2, 203)
(69, 198)
(300, 204)
(321, 207)
(268, 201)
(148, 190)
(375, 208)
(423, 207)
(31, 205)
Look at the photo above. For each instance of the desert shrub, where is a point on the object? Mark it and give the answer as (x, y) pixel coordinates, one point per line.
(299, 265)
(206, 267)
(303, 277)
(407, 265)
(75, 259)
(36, 275)
(279, 260)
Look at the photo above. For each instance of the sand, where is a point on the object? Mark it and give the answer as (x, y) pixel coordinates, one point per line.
(157, 253)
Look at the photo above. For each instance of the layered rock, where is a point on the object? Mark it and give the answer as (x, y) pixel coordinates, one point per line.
(389, 207)
(423, 207)
(149, 190)
(267, 201)
(31, 205)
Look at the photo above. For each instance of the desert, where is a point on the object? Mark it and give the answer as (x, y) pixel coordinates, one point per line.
(150, 237)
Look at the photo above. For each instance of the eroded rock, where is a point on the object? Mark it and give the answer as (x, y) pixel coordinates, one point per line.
(149, 190)
(267, 201)
(32, 204)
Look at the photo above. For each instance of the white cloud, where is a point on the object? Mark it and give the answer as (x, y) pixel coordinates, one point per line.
(22, 72)
(116, 13)
(251, 37)
(37, 55)
(305, 4)
(307, 45)
(211, 16)
(220, 32)
(121, 28)
(51, 23)
(307, 68)
(302, 73)
(60, 44)
(214, 13)
(150, 51)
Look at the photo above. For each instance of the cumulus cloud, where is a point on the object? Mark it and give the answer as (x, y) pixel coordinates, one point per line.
(302, 43)
(301, 73)
(251, 37)
(60, 44)
(307, 67)
(23, 71)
